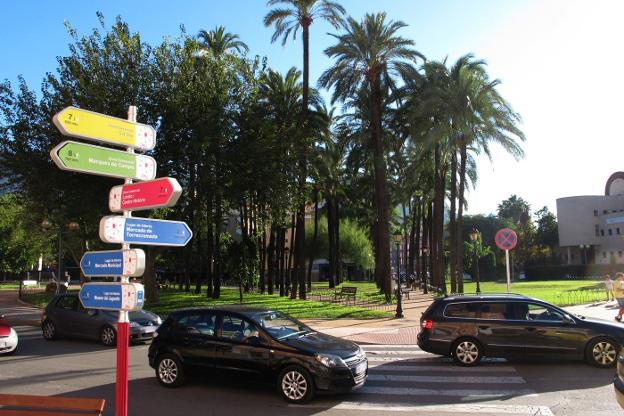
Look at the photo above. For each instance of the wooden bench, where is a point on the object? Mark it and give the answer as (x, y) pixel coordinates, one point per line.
(347, 292)
(27, 405)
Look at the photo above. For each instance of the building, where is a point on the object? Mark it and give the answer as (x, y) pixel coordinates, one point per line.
(591, 227)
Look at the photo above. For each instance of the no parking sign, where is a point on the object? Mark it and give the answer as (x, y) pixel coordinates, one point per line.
(506, 239)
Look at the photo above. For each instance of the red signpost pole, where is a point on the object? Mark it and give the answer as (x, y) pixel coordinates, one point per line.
(123, 323)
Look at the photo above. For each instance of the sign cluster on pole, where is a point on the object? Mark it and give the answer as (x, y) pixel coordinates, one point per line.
(506, 239)
(121, 296)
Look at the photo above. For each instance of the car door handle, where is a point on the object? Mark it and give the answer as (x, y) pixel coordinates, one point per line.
(530, 328)
(484, 327)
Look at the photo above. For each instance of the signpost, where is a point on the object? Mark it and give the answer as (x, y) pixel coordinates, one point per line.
(96, 160)
(112, 296)
(506, 239)
(148, 231)
(162, 192)
(129, 263)
(74, 156)
(75, 122)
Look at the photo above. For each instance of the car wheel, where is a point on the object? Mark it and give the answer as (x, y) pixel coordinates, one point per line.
(295, 385)
(108, 336)
(169, 370)
(49, 330)
(602, 352)
(467, 352)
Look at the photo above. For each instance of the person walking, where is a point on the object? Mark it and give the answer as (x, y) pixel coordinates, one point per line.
(609, 287)
(619, 294)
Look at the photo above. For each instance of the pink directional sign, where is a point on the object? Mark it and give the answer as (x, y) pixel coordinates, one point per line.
(162, 192)
(506, 239)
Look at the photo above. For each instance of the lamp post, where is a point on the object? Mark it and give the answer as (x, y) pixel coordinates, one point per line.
(474, 237)
(72, 226)
(399, 309)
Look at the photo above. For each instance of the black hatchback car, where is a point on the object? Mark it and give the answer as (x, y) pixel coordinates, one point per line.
(256, 342)
(470, 327)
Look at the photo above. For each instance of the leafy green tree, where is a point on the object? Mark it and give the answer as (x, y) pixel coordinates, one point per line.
(366, 55)
(299, 14)
(218, 41)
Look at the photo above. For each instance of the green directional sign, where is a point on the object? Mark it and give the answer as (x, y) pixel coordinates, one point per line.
(96, 160)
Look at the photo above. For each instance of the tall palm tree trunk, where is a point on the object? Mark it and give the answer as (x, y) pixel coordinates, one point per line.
(452, 229)
(382, 268)
(314, 237)
(331, 235)
(460, 213)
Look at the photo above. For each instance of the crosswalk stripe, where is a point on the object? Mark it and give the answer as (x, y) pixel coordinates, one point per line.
(409, 391)
(446, 408)
(447, 379)
(442, 367)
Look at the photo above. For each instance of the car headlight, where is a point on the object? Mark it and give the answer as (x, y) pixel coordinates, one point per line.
(13, 334)
(330, 361)
(158, 320)
(361, 352)
(134, 324)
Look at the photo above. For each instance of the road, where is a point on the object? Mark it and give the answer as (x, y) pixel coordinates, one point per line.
(402, 380)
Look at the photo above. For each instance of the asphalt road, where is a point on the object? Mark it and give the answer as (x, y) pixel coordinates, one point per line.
(401, 380)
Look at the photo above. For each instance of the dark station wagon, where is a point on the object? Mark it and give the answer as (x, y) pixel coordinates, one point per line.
(471, 327)
(260, 343)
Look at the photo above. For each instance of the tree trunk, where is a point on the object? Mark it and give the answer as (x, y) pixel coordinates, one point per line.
(331, 235)
(438, 219)
(425, 238)
(209, 246)
(460, 214)
(271, 260)
(452, 228)
(218, 266)
(281, 259)
(382, 267)
(293, 273)
(338, 257)
(149, 276)
(314, 238)
(262, 244)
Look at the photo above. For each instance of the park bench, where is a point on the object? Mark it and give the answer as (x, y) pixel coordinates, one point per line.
(28, 405)
(347, 292)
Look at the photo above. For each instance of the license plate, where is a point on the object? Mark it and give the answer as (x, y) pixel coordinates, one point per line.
(360, 368)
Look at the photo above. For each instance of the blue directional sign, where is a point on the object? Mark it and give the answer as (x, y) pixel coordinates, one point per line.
(112, 296)
(130, 263)
(148, 231)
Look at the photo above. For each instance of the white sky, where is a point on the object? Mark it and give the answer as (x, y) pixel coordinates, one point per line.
(561, 63)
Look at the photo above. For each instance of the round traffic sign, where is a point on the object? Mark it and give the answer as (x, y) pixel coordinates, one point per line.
(506, 239)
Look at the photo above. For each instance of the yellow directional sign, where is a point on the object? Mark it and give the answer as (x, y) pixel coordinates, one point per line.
(75, 122)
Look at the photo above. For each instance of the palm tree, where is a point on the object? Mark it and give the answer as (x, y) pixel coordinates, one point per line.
(288, 20)
(369, 54)
(219, 41)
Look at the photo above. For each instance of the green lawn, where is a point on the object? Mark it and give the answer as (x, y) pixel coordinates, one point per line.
(172, 299)
(9, 285)
(557, 292)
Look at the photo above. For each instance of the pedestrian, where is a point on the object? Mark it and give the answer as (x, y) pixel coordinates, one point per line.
(619, 294)
(609, 287)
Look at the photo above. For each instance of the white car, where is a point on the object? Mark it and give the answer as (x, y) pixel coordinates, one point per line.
(8, 337)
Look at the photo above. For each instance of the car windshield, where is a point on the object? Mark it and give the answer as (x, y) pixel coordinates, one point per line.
(280, 326)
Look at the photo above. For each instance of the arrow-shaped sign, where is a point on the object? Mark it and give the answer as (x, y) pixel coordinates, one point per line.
(130, 263)
(162, 192)
(120, 230)
(96, 160)
(112, 296)
(75, 122)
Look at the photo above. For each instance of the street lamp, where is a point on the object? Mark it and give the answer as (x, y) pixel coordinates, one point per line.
(474, 237)
(399, 309)
(72, 226)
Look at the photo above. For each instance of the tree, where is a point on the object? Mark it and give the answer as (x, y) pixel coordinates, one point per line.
(516, 209)
(301, 14)
(218, 41)
(547, 231)
(369, 53)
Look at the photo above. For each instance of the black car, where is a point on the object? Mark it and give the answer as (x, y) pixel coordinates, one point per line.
(257, 342)
(618, 383)
(65, 316)
(470, 327)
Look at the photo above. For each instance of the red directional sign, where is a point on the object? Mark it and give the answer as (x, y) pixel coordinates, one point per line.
(162, 192)
(506, 239)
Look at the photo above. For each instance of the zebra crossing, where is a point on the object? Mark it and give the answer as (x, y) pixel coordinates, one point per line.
(403, 378)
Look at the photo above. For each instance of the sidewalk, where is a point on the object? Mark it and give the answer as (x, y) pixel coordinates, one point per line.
(601, 310)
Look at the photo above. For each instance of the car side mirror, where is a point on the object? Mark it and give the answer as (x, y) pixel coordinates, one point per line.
(567, 320)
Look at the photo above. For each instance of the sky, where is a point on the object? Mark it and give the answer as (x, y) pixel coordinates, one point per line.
(560, 63)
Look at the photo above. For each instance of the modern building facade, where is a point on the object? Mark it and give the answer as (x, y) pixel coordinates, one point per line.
(591, 227)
